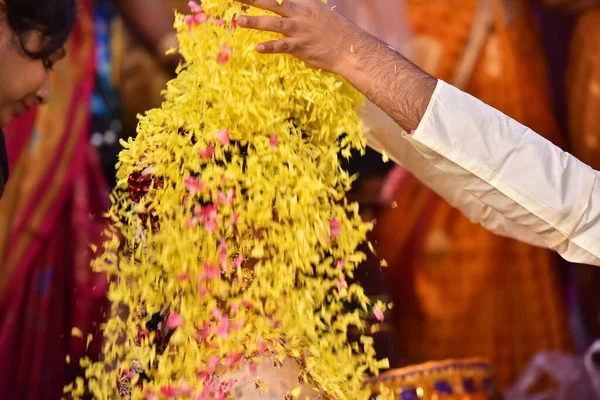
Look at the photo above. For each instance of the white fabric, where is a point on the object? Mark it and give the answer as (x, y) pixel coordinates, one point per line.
(498, 172)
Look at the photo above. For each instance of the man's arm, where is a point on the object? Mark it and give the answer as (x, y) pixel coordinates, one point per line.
(390, 81)
(515, 174)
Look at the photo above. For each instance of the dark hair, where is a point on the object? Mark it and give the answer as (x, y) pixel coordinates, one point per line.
(54, 19)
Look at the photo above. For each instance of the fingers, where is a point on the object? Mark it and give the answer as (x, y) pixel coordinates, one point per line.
(276, 46)
(285, 26)
(287, 8)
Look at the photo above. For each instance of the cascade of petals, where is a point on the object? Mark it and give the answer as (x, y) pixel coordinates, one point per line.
(232, 239)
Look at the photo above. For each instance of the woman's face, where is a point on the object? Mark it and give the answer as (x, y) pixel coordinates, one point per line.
(24, 82)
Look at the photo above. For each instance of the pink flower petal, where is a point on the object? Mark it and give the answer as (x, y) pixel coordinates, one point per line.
(231, 360)
(393, 183)
(185, 389)
(274, 323)
(217, 314)
(237, 325)
(223, 58)
(261, 346)
(233, 23)
(210, 272)
(168, 391)
(202, 376)
(203, 291)
(335, 228)
(237, 262)
(341, 264)
(213, 362)
(196, 19)
(223, 328)
(208, 151)
(227, 385)
(203, 333)
(150, 395)
(208, 216)
(193, 184)
(210, 226)
(174, 321)
(234, 308)
(197, 210)
(247, 303)
(189, 20)
(226, 199)
(341, 283)
(378, 313)
(195, 7)
(230, 196)
(223, 136)
(273, 141)
(148, 170)
(253, 367)
(217, 21)
(184, 276)
(221, 198)
(191, 222)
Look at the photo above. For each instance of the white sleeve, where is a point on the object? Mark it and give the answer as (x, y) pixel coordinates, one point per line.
(498, 172)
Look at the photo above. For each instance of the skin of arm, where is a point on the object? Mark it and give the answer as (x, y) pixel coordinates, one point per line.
(385, 77)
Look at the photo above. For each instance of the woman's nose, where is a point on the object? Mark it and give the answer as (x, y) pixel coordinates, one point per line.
(43, 93)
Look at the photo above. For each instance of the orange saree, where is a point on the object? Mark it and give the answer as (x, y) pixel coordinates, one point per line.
(462, 291)
(583, 91)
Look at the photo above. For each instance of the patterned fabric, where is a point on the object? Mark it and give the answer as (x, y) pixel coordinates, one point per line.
(463, 291)
(50, 214)
(468, 379)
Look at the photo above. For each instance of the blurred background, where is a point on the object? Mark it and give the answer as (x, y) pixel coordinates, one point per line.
(458, 291)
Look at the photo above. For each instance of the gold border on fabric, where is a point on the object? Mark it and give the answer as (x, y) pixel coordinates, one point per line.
(422, 381)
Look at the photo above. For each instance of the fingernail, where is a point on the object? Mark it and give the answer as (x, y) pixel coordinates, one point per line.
(242, 20)
(260, 47)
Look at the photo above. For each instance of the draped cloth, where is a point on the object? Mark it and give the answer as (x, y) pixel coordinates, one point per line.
(50, 213)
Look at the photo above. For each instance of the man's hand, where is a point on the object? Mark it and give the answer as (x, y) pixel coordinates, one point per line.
(313, 32)
(323, 39)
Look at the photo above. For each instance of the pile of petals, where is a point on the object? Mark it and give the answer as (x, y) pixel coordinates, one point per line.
(232, 241)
